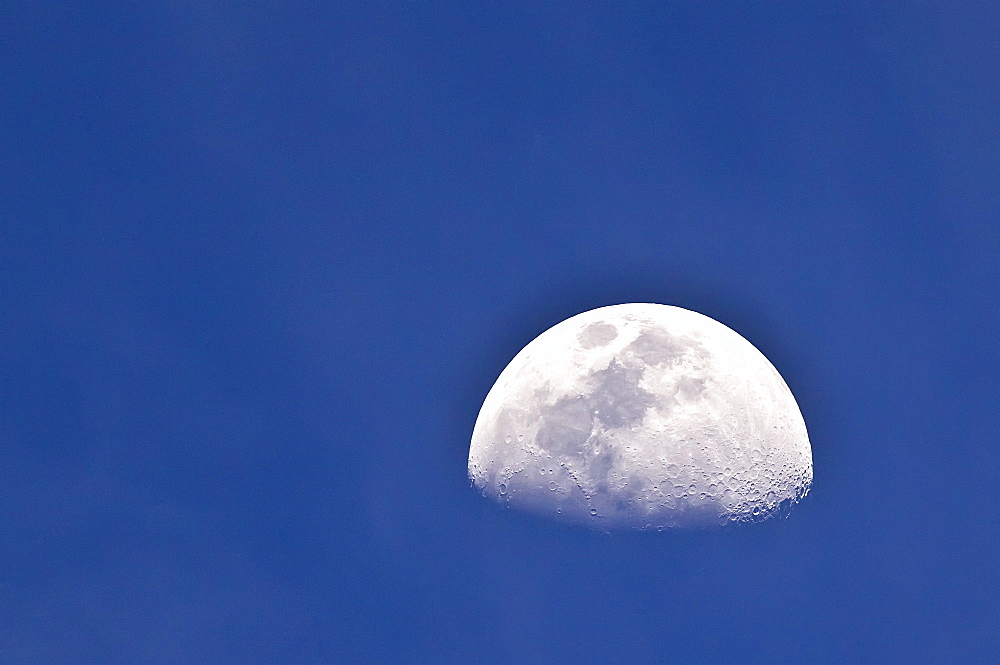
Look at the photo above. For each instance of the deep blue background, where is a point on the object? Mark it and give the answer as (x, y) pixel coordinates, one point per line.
(259, 267)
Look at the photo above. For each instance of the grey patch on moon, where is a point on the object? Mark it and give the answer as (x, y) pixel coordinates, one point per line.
(566, 425)
(613, 399)
(597, 334)
(658, 347)
(617, 399)
(689, 388)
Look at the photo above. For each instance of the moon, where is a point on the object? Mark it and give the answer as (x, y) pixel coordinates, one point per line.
(641, 416)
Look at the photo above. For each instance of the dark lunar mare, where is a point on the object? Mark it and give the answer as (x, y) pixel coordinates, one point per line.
(597, 334)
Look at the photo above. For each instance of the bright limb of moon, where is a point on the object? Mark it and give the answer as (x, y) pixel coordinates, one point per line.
(641, 416)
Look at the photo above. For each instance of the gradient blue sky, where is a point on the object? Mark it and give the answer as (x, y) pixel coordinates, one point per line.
(261, 262)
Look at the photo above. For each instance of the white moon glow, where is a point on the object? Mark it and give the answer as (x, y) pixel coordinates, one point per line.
(641, 416)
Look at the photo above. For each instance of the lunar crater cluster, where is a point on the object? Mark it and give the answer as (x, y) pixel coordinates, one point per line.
(641, 416)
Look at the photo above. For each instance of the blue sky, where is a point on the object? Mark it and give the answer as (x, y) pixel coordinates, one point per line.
(260, 265)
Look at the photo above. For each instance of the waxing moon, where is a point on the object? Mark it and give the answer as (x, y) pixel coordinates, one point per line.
(641, 416)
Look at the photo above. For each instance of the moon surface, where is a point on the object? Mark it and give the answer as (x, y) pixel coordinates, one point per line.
(641, 416)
